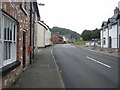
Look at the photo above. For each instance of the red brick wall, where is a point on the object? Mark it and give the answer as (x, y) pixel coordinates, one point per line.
(56, 38)
(15, 11)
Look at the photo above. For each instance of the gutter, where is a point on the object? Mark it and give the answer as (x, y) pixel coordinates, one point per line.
(30, 29)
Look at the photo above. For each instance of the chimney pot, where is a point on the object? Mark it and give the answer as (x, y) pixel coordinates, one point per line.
(116, 10)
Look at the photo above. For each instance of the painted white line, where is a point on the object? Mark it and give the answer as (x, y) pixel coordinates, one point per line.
(98, 62)
(63, 86)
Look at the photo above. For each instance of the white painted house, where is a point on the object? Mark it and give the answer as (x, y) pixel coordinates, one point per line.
(110, 32)
(43, 35)
(104, 35)
(48, 37)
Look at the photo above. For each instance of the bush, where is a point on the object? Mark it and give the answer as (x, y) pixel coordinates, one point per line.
(80, 42)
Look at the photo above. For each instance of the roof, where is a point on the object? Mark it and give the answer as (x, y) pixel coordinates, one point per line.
(44, 25)
(104, 23)
(118, 16)
(113, 19)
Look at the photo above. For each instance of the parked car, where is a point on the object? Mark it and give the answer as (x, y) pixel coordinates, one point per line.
(87, 44)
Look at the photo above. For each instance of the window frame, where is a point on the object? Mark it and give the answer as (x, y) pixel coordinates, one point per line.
(13, 43)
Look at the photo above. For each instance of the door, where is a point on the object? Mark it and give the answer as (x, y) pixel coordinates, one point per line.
(119, 42)
(110, 42)
(24, 49)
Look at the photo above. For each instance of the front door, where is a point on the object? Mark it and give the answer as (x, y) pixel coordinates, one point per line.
(110, 42)
(24, 49)
(119, 41)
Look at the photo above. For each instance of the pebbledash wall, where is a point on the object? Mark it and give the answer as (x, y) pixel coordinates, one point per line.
(15, 40)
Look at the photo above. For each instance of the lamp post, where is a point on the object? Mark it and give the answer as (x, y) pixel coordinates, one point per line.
(41, 4)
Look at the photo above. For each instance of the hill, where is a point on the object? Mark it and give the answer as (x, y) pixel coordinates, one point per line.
(64, 31)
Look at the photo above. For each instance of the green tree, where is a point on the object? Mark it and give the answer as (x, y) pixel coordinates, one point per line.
(95, 34)
(86, 35)
(90, 34)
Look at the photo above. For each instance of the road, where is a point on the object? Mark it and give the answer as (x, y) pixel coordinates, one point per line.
(82, 68)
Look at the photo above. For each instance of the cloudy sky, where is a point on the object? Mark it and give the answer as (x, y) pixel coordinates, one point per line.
(76, 15)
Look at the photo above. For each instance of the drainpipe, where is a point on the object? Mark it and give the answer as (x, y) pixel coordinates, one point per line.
(108, 40)
(30, 30)
(117, 34)
(102, 38)
(33, 34)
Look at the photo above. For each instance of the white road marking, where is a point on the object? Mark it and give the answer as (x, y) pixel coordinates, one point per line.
(98, 62)
(68, 46)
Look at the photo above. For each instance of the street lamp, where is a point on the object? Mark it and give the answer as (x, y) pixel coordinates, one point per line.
(41, 4)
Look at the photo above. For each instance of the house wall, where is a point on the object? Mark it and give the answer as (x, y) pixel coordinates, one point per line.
(40, 35)
(101, 38)
(47, 37)
(35, 32)
(113, 34)
(14, 10)
(118, 36)
(105, 35)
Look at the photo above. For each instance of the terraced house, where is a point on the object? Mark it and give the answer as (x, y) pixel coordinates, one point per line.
(18, 24)
(110, 32)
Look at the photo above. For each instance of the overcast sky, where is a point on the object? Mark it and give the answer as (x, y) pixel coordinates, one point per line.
(76, 15)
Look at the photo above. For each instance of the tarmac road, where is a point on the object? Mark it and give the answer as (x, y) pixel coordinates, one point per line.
(82, 68)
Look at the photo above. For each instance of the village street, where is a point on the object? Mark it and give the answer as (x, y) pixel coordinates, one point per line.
(70, 66)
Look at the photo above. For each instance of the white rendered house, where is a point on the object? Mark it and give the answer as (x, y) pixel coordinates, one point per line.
(110, 32)
(43, 35)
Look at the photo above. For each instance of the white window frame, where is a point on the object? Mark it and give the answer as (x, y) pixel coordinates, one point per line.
(12, 50)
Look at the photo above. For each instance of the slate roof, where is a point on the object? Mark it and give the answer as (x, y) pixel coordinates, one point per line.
(113, 19)
(104, 24)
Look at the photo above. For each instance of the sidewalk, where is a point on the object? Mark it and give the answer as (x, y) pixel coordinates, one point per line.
(42, 73)
(97, 49)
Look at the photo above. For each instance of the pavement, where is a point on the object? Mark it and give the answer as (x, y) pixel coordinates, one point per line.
(98, 49)
(42, 73)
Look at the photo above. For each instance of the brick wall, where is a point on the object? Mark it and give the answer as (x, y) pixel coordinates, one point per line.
(56, 38)
(14, 10)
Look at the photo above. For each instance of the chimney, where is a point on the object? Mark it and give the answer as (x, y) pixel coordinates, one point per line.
(116, 10)
(119, 5)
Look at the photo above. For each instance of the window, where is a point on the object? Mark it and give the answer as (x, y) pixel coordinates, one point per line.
(9, 29)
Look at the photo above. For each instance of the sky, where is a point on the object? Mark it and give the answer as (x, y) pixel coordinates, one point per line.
(76, 15)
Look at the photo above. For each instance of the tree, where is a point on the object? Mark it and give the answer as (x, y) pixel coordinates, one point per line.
(95, 33)
(86, 35)
(90, 34)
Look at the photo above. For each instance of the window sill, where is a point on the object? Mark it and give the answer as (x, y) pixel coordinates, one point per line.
(6, 69)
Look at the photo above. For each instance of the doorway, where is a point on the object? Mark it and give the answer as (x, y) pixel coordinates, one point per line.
(110, 42)
(119, 41)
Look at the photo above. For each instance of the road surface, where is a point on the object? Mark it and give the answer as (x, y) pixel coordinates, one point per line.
(82, 68)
